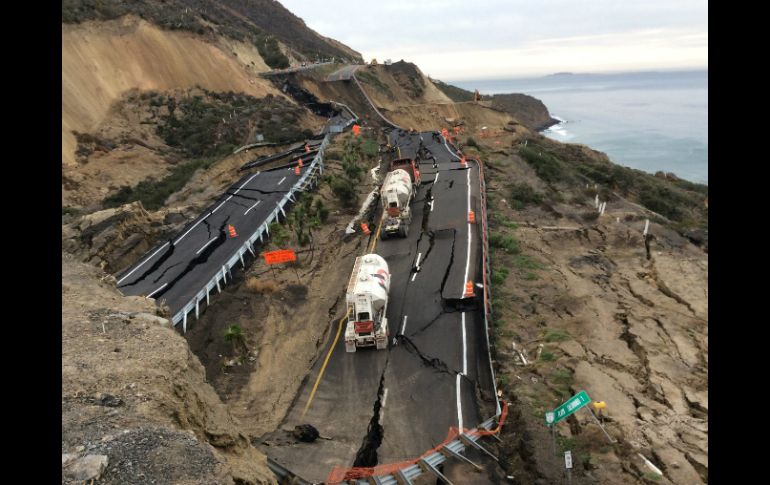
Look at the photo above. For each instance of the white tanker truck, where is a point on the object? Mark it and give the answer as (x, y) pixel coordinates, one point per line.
(367, 300)
(398, 188)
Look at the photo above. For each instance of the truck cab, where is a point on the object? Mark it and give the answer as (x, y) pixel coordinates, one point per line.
(367, 300)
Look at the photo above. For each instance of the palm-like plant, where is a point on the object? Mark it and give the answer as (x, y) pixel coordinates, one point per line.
(234, 335)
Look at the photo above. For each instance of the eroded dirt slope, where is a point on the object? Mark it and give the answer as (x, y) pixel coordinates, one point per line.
(102, 60)
(134, 393)
(591, 309)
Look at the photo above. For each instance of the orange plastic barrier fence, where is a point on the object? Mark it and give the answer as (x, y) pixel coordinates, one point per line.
(341, 474)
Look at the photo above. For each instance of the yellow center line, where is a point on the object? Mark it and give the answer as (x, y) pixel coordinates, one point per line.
(326, 361)
(377, 235)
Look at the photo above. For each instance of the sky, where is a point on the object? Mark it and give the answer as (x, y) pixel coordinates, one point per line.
(456, 40)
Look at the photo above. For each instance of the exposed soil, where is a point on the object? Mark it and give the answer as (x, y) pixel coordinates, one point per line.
(590, 311)
(133, 392)
(285, 316)
(102, 60)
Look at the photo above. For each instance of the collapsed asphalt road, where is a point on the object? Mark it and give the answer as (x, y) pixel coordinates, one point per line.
(389, 406)
(176, 270)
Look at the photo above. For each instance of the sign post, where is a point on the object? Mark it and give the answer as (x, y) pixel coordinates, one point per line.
(281, 256)
(549, 420)
(568, 464)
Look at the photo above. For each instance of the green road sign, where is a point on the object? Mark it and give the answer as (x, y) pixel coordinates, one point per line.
(573, 404)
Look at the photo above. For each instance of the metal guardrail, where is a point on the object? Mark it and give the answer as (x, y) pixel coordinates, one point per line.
(487, 272)
(316, 166)
(429, 462)
(371, 103)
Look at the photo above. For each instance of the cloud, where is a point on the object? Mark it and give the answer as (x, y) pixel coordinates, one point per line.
(455, 39)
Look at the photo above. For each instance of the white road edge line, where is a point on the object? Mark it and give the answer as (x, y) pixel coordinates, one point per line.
(468, 257)
(164, 285)
(142, 263)
(417, 264)
(459, 407)
(247, 210)
(436, 179)
(431, 206)
(403, 327)
(414, 276)
(281, 181)
(204, 246)
(465, 350)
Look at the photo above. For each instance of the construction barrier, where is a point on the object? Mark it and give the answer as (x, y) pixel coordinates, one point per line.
(342, 474)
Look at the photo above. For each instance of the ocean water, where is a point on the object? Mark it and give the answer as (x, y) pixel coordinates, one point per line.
(646, 120)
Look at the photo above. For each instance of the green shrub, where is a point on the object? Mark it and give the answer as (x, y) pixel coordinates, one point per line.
(548, 167)
(556, 335)
(522, 195)
(271, 53)
(472, 143)
(547, 356)
(321, 210)
(499, 276)
(566, 442)
(344, 190)
(507, 243)
(522, 261)
(152, 193)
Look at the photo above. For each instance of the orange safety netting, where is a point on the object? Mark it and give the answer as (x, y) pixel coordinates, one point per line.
(342, 474)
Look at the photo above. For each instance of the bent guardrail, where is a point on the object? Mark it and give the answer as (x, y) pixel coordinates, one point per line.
(316, 167)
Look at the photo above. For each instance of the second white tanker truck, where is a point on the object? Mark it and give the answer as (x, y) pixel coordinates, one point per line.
(367, 300)
(398, 189)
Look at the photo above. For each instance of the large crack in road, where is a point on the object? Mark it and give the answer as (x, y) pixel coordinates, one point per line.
(366, 456)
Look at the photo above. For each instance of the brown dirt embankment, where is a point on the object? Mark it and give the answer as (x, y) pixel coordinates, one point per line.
(102, 60)
(132, 391)
(284, 312)
(578, 294)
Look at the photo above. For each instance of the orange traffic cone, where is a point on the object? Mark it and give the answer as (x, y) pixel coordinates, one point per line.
(365, 228)
(468, 289)
(471, 217)
(231, 229)
(299, 162)
(307, 148)
(296, 170)
(463, 162)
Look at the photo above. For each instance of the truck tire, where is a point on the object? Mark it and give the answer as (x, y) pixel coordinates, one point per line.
(383, 235)
(403, 230)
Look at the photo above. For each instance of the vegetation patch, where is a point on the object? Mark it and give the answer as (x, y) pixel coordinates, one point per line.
(556, 335)
(522, 195)
(214, 124)
(454, 93)
(509, 244)
(271, 53)
(371, 78)
(152, 193)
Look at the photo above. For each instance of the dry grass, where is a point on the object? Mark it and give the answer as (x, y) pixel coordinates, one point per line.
(261, 286)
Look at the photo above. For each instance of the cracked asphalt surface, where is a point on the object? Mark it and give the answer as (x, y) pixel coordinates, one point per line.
(435, 373)
(177, 269)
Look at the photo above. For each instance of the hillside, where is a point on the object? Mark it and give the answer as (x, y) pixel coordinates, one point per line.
(134, 395)
(250, 21)
(525, 109)
(103, 60)
(157, 94)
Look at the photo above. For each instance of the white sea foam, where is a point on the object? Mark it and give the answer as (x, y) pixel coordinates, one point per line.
(558, 131)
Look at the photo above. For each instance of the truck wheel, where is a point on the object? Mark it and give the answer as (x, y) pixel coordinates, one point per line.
(383, 235)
